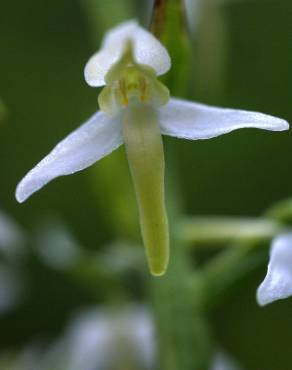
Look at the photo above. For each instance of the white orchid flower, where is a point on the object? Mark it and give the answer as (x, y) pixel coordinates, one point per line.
(135, 109)
(278, 281)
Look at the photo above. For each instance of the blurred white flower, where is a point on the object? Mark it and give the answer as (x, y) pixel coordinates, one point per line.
(221, 361)
(278, 281)
(136, 110)
(12, 240)
(57, 246)
(193, 13)
(11, 235)
(11, 288)
(98, 338)
(109, 339)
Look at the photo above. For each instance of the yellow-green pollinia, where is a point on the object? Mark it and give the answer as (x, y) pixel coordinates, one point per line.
(135, 88)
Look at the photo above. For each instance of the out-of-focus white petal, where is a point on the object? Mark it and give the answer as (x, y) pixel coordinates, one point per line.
(147, 50)
(278, 281)
(193, 121)
(89, 340)
(106, 339)
(57, 246)
(12, 237)
(222, 361)
(11, 288)
(193, 13)
(96, 138)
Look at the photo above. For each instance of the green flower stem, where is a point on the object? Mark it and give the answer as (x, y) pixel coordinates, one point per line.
(182, 331)
(281, 211)
(169, 24)
(217, 231)
(168, 14)
(145, 154)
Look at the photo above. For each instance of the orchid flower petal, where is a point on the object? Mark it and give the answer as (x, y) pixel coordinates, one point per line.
(95, 139)
(278, 281)
(147, 50)
(184, 119)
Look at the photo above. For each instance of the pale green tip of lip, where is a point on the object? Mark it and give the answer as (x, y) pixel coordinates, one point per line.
(158, 267)
(157, 273)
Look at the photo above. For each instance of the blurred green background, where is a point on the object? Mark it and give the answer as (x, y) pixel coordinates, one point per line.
(242, 58)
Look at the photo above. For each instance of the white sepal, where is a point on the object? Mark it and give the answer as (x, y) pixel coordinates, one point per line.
(188, 120)
(95, 139)
(278, 281)
(147, 50)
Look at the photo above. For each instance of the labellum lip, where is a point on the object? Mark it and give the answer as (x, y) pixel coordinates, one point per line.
(145, 154)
